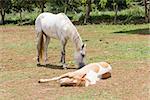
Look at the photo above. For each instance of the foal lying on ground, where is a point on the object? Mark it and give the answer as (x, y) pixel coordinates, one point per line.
(85, 76)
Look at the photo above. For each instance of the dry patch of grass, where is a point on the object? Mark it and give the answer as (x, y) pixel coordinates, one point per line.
(126, 51)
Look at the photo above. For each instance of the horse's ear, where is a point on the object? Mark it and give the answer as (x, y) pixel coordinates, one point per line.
(83, 46)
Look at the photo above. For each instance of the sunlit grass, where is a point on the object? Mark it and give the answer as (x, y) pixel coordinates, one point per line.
(125, 47)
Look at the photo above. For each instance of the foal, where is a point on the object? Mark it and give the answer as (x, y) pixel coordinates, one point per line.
(85, 76)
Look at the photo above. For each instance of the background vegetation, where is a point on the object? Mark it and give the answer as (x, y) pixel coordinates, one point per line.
(79, 11)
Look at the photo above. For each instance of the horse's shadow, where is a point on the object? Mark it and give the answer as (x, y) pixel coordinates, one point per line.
(52, 66)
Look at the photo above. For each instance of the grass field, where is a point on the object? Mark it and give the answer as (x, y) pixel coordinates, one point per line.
(125, 47)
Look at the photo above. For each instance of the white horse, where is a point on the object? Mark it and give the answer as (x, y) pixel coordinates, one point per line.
(57, 26)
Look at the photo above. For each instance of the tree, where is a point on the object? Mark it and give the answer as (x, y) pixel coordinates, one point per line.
(88, 10)
(103, 3)
(129, 3)
(65, 6)
(147, 11)
(116, 5)
(145, 3)
(41, 4)
(5, 6)
(22, 5)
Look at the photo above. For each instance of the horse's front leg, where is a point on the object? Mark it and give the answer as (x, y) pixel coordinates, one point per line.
(47, 39)
(63, 53)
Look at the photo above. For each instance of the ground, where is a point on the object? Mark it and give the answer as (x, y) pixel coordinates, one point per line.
(125, 47)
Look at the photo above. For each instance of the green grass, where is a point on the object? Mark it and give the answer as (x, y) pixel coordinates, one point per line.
(14, 75)
(125, 47)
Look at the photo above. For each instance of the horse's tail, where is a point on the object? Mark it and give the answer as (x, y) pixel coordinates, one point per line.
(41, 42)
(39, 34)
(40, 45)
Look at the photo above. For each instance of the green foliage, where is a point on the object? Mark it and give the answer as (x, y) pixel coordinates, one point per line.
(28, 17)
(128, 2)
(65, 6)
(134, 14)
(5, 5)
(83, 1)
(75, 9)
(22, 5)
(103, 3)
(111, 3)
(39, 3)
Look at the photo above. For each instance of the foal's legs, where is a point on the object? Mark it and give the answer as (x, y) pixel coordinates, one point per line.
(47, 39)
(63, 53)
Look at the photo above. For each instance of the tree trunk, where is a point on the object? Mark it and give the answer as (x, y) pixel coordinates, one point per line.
(146, 11)
(2, 12)
(65, 10)
(149, 14)
(88, 10)
(3, 16)
(20, 12)
(42, 8)
(65, 5)
(116, 13)
(3, 19)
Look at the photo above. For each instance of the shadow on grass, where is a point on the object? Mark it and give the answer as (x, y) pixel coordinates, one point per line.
(145, 31)
(54, 66)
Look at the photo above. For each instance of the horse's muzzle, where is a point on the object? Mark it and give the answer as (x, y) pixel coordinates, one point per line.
(81, 65)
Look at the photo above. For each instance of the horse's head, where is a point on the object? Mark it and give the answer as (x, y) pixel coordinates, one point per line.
(80, 56)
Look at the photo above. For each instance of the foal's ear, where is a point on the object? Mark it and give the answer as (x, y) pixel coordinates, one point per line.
(83, 46)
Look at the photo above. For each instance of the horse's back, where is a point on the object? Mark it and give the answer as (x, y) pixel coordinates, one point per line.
(45, 19)
(50, 19)
(45, 22)
(39, 23)
(54, 25)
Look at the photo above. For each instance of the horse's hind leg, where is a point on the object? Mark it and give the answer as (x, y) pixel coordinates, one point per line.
(39, 40)
(63, 52)
(47, 39)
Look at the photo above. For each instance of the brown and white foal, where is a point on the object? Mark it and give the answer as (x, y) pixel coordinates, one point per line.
(85, 76)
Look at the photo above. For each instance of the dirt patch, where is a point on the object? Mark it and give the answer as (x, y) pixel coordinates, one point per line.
(19, 74)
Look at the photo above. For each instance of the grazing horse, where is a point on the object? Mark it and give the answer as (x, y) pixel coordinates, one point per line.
(58, 26)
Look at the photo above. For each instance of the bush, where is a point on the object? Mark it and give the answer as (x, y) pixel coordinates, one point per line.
(134, 14)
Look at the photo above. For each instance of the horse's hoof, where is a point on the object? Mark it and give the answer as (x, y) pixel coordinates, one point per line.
(39, 81)
(38, 65)
(64, 66)
(46, 65)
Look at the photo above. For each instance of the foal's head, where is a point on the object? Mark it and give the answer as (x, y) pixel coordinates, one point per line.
(80, 56)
